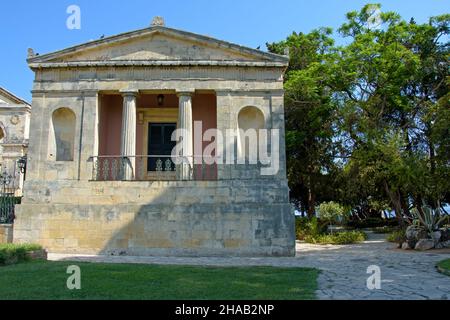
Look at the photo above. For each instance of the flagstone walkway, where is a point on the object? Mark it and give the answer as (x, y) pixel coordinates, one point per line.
(404, 274)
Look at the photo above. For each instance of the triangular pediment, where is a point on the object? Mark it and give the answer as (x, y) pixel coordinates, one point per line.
(7, 97)
(158, 44)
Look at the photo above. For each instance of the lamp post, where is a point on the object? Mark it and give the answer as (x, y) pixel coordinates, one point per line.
(22, 163)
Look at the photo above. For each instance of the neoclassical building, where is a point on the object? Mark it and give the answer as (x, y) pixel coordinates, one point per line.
(101, 179)
(14, 135)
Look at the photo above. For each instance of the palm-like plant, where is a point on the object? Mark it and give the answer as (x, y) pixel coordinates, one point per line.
(429, 218)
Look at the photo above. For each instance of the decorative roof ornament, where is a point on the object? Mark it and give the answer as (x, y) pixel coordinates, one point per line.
(158, 21)
(31, 53)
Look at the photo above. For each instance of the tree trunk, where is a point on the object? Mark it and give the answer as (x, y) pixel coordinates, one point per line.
(311, 203)
(395, 201)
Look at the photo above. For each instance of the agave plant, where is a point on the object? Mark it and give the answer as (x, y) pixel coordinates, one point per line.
(429, 218)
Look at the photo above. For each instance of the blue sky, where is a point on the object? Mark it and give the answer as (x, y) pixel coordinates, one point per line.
(42, 24)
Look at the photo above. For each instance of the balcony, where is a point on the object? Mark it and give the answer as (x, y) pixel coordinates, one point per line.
(151, 168)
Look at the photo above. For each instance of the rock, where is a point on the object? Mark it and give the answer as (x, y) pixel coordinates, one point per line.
(416, 233)
(405, 246)
(445, 234)
(424, 244)
(443, 245)
(436, 236)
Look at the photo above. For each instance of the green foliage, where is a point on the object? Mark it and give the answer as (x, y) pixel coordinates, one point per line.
(397, 236)
(444, 267)
(331, 212)
(15, 253)
(368, 123)
(309, 227)
(384, 230)
(372, 223)
(340, 238)
(429, 218)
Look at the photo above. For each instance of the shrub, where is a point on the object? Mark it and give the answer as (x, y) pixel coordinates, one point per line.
(331, 212)
(397, 236)
(372, 223)
(384, 230)
(345, 237)
(306, 227)
(15, 253)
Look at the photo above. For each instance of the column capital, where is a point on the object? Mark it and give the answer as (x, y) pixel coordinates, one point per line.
(185, 93)
(129, 92)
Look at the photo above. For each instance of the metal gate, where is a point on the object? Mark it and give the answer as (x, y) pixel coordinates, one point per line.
(10, 189)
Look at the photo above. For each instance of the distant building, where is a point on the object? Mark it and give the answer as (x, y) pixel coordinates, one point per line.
(14, 135)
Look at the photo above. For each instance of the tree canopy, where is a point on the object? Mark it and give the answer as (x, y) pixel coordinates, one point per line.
(367, 123)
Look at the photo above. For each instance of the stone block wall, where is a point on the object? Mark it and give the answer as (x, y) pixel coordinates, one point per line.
(6, 233)
(161, 218)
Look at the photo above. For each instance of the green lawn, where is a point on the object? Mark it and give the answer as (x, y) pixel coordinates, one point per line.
(47, 280)
(444, 267)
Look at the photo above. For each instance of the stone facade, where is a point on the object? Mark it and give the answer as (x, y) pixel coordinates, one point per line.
(14, 135)
(240, 212)
(6, 233)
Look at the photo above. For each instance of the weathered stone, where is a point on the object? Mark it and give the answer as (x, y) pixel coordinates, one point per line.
(6, 233)
(443, 245)
(445, 234)
(405, 246)
(14, 135)
(424, 244)
(242, 213)
(414, 234)
(436, 236)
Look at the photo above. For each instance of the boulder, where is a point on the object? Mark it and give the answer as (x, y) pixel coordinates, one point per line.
(424, 244)
(414, 234)
(405, 246)
(445, 234)
(443, 245)
(436, 236)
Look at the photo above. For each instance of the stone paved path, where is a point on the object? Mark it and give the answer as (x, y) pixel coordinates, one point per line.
(404, 274)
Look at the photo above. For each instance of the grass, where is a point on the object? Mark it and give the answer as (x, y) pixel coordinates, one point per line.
(14, 253)
(444, 267)
(42, 280)
(345, 237)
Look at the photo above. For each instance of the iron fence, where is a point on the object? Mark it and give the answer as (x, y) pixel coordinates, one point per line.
(12, 174)
(156, 167)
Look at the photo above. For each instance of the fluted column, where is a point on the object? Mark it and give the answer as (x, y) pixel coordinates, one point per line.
(185, 122)
(128, 146)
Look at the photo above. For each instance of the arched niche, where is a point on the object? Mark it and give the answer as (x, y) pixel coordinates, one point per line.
(250, 121)
(62, 135)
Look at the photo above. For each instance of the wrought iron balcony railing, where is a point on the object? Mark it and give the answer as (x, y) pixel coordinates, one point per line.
(148, 168)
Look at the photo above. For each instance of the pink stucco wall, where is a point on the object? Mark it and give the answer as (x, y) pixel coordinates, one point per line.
(204, 109)
(110, 125)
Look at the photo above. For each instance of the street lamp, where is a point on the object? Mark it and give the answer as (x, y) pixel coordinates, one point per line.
(22, 163)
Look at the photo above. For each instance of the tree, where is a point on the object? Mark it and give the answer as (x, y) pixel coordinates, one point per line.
(309, 116)
(368, 123)
(389, 83)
